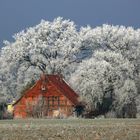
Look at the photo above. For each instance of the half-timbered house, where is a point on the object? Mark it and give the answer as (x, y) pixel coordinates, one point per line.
(50, 96)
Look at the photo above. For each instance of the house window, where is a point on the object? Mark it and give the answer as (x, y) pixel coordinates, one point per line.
(53, 102)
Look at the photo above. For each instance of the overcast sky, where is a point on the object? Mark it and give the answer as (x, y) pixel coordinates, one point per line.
(16, 15)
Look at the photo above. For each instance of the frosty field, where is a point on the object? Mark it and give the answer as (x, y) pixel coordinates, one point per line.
(70, 129)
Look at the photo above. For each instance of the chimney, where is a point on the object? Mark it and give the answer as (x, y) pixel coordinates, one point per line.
(43, 77)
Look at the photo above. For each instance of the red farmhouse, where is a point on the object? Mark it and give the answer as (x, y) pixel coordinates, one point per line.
(57, 98)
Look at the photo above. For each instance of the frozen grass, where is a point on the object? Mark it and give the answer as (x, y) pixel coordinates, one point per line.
(70, 129)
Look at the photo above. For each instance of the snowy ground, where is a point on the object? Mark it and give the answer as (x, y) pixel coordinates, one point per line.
(70, 129)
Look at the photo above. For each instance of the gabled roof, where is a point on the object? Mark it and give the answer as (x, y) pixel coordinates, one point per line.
(26, 92)
(64, 88)
(61, 85)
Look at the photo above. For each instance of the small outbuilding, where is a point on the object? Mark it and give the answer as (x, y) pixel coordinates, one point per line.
(50, 96)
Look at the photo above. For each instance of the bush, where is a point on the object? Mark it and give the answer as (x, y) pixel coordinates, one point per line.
(110, 114)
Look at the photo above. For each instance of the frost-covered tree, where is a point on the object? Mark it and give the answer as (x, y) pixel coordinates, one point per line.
(125, 101)
(115, 38)
(49, 47)
(118, 39)
(106, 81)
(102, 63)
